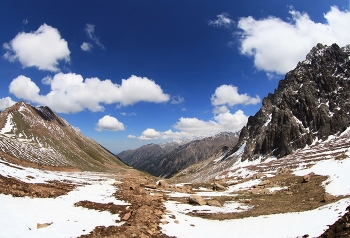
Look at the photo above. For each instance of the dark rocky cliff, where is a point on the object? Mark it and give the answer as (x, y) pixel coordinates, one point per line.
(310, 103)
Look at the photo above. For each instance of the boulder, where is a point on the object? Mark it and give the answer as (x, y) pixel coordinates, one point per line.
(258, 176)
(218, 187)
(283, 171)
(196, 199)
(43, 225)
(214, 203)
(152, 186)
(163, 184)
(127, 216)
(306, 178)
(328, 197)
(264, 182)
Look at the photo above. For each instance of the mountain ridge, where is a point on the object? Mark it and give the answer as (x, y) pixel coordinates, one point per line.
(166, 161)
(311, 103)
(40, 136)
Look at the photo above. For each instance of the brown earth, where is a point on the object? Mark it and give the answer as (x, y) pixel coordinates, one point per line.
(141, 218)
(17, 188)
(300, 196)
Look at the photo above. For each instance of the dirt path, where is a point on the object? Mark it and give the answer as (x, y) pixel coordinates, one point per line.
(141, 218)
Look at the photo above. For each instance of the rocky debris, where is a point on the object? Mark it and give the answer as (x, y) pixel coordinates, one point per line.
(283, 171)
(264, 191)
(214, 203)
(141, 218)
(43, 225)
(312, 101)
(18, 188)
(151, 186)
(259, 176)
(218, 187)
(340, 229)
(233, 182)
(196, 199)
(182, 189)
(264, 183)
(158, 195)
(260, 191)
(328, 197)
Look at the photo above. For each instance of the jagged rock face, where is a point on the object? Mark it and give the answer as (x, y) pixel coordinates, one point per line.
(312, 102)
(38, 135)
(165, 160)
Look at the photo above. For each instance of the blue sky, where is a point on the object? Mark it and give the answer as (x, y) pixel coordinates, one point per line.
(128, 73)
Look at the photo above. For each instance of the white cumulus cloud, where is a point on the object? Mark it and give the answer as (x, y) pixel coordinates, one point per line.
(149, 134)
(70, 93)
(43, 49)
(194, 127)
(5, 103)
(228, 94)
(220, 122)
(277, 46)
(109, 123)
(86, 46)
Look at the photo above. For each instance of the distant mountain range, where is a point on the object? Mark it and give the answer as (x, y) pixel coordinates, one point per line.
(39, 136)
(170, 157)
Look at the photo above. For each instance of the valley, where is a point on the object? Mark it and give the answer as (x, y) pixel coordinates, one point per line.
(285, 174)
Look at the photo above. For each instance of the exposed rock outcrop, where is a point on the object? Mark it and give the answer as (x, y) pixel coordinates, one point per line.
(312, 102)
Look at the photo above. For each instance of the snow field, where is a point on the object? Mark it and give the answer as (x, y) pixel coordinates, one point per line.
(313, 222)
(20, 215)
(296, 224)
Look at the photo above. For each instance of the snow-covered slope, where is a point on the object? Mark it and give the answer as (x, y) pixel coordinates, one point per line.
(329, 158)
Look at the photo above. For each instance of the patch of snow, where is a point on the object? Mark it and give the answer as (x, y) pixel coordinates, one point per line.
(244, 185)
(268, 120)
(338, 172)
(228, 207)
(24, 213)
(277, 225)
(239, 151)
(8, 127)
(277, 189)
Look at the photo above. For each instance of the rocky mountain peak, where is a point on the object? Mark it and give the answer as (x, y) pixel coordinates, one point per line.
(310, 103)
(47, 114)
